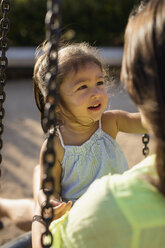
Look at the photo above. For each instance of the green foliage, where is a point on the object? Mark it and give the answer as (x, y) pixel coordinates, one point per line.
(100, 22)
(27, 22)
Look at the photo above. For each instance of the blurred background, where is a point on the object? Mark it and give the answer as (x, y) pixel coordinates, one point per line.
(102, 24)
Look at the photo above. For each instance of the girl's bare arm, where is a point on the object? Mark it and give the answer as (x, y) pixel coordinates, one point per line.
(129, 122)
(115, 121)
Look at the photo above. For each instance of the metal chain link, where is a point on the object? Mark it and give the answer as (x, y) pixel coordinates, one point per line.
(53, 24)
(4, 28)
(145, 140)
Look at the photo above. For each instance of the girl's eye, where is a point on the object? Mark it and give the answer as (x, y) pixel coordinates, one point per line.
(100, 83)
(82, 87)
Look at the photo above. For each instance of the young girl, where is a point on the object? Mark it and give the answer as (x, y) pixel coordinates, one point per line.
(84, 143)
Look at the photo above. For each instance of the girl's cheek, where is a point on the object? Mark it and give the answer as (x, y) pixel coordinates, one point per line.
(78, 100)
(106, 96)
(82, 98)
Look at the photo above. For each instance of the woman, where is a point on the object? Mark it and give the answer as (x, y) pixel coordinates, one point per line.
(129, 210)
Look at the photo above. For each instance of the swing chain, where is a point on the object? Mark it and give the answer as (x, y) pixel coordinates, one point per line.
(53, 23)
(145, 140)
(4, 28)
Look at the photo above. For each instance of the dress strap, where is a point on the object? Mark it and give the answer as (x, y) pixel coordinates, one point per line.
(100, 123)
(60, 137)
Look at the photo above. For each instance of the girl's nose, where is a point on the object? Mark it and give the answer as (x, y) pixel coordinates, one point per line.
(95, 92)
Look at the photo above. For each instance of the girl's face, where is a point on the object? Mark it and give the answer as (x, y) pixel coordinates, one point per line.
(84, 93)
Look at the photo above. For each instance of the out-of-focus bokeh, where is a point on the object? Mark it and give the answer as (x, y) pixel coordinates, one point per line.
(101, 23)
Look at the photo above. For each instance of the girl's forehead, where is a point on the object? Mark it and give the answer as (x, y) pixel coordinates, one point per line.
(87, 70)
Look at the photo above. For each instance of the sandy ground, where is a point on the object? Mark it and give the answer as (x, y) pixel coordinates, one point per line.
(23, 138)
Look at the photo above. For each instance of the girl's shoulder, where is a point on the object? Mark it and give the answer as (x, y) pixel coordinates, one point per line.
(58, 148)
(109, 123)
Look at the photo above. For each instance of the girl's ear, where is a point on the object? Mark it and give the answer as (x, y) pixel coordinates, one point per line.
(58, 109)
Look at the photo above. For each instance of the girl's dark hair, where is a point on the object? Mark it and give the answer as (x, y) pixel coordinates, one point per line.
(70, 58)
(143, 72)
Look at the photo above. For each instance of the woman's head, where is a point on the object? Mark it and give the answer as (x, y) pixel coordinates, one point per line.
(144, 60)
(143, 71)
(71, 59)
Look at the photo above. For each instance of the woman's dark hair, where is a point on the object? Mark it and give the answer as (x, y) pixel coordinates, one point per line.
(143, 72)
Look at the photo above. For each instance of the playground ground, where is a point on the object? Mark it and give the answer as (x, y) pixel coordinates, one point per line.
(23, 138)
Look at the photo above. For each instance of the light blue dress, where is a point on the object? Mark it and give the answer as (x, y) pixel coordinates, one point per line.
(81, 165)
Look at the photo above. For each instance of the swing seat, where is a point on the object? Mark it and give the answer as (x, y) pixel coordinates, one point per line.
(23, 241)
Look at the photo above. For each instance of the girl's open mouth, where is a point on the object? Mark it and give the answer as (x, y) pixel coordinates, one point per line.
(95, 107)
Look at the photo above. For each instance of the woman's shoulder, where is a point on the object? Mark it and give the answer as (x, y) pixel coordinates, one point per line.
(123, 204)
(117, 185)
(146, 166)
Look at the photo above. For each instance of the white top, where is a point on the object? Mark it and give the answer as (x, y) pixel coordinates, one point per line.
(81, 165)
